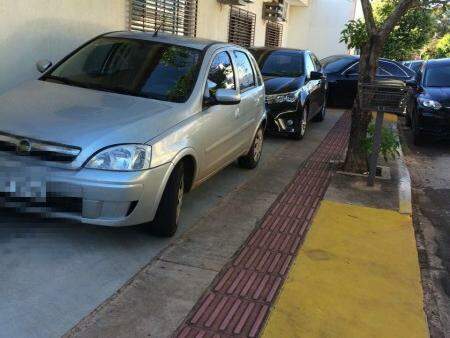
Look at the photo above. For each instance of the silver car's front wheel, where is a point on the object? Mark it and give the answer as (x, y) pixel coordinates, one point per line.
(251, 159)
(165, 223)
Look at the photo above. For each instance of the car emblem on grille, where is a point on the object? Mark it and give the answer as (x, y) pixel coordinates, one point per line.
(23, 147)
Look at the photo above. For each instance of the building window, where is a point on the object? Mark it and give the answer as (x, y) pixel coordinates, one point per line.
(171, 16)
(241, 29)
(274, 34)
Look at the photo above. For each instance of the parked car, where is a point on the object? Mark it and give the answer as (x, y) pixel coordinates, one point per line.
(296, 89)
(414, 65)
(429, 115)
(342, 72)
(129, 122)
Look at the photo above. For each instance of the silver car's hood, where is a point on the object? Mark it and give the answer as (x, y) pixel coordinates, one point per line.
(81, 117)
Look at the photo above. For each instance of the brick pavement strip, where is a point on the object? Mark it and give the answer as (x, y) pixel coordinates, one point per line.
(238, 301)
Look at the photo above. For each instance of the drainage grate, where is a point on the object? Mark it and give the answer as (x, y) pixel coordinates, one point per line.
(239, 299)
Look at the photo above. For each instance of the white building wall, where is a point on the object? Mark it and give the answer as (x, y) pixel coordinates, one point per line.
(213, 19)
(318, 26)
(49, 29)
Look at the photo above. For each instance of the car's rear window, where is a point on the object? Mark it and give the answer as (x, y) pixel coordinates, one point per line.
(130, 66)
(337, 63)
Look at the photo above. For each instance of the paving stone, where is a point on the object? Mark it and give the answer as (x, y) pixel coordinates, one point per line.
(239, 299)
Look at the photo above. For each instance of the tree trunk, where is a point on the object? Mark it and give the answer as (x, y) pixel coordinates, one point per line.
(356, 160)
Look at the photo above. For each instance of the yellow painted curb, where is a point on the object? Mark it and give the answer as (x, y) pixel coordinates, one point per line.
(357, 275)
(387, 117)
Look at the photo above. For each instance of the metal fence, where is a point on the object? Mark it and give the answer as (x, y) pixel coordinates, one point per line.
(386, 96)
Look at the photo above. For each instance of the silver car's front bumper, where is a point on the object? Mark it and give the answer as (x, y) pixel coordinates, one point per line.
(102, 197)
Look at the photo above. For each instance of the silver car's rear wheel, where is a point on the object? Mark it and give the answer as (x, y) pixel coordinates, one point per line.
(251, 160)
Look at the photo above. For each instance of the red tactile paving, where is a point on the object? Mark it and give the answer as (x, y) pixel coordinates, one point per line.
(239, 299)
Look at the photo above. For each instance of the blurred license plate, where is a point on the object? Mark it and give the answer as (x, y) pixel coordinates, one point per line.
(31, 188)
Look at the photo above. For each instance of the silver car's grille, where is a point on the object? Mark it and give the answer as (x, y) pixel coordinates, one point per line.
(45, 151)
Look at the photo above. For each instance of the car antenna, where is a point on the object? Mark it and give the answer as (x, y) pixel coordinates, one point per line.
(155, 34)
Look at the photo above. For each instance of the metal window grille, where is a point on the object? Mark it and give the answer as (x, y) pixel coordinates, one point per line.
(241, 30)
(274, 34)
(173, 16)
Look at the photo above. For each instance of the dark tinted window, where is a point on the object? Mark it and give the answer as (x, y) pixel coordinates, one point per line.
(333, 64)
(353, 70)
(221, 74)
(281, 63)
(259, 79)
(437, 75)
(415, 66)
(244, 70)
(381, 71)
(392, 69)
(135, 67)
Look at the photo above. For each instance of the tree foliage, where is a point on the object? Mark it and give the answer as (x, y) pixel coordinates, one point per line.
(438, 48)
(414, 30)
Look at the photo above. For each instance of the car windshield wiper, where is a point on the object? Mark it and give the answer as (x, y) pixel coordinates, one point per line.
(60, 79)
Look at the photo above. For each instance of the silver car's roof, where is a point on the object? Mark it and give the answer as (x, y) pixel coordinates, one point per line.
(195, 43)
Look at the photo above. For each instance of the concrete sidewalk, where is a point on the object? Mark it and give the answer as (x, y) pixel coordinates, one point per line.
(357, 275)
(236, 304)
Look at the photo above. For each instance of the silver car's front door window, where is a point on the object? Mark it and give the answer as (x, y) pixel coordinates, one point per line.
(251, 97)
(219, 125)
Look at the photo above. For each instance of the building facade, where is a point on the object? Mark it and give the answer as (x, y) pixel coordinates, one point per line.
(49, 29)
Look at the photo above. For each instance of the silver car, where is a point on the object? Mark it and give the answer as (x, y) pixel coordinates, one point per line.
(116, 132)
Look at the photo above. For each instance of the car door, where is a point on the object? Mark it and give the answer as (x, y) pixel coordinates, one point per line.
(347, 85)
(313, 86)
(219, 121)
(323, 83)
(251, 96)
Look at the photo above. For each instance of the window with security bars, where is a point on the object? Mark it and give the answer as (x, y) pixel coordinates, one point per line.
(274, 34)
(171, 16)
(241, 30)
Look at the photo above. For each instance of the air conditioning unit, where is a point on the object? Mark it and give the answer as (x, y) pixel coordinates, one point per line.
(274, 11)
(236, 2)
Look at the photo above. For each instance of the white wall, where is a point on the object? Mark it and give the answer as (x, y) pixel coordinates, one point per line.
(318, 26)
(36, 29)
(213, 20)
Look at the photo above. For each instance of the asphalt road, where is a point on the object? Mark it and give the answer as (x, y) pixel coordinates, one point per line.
(430, 170)
(52, 274)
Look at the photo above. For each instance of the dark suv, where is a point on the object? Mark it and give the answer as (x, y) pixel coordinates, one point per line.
(429, 113)
(296, 89)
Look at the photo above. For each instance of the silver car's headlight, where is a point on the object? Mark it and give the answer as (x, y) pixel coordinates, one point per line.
(127, 157)
(427, 103)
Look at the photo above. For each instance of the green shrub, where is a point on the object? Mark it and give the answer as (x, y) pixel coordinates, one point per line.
(389, 142)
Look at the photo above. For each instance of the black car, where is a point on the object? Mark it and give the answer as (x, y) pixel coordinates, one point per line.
(429, 115)
(413, 65)
(342, 74)
(296, 89)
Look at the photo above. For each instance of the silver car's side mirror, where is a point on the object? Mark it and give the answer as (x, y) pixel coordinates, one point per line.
(43, 65)
(227, 96)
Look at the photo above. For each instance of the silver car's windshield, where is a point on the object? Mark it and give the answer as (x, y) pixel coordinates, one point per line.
(133, 67)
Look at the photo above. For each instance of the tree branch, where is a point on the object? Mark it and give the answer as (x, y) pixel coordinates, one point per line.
(371, 26)
(395, 16)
